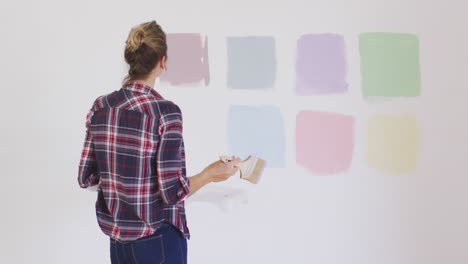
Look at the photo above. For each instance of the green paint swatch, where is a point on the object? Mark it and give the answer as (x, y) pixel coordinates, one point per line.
(390, 64)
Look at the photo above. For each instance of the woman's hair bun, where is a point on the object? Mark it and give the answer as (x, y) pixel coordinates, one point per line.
(135, 39)
(145, 47)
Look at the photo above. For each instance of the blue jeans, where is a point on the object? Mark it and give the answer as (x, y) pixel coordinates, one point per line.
(166, 245)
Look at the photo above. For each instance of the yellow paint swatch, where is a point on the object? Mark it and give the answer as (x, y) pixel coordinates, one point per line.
(393, 143)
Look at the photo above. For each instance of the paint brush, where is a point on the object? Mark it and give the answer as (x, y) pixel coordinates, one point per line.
(251, 168)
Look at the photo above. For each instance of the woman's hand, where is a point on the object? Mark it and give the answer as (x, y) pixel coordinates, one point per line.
(220, 171)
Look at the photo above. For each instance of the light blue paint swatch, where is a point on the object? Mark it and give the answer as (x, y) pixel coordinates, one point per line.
(257, 131)
(251, 62)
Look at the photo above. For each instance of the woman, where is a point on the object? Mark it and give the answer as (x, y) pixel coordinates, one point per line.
(134, 154)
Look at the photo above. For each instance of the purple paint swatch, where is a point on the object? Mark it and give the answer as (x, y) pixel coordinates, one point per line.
(321, 66)
(187, 61)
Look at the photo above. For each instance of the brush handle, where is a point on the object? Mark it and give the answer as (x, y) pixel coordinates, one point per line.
(225, 158)
(243, 166)
(250, 168)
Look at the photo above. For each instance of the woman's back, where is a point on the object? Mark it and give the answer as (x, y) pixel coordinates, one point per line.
(133, 133)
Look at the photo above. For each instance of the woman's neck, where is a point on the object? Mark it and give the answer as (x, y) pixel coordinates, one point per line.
(150, 81)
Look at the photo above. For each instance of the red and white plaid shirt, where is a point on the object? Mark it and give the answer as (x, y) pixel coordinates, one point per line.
(134, 152)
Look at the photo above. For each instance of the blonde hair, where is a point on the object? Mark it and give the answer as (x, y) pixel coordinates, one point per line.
(145, 47)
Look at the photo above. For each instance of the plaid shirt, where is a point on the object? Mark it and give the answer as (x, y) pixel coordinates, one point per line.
(134, 152)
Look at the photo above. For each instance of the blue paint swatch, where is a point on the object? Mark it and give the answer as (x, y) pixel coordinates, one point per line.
(257, 131)
(251, 62)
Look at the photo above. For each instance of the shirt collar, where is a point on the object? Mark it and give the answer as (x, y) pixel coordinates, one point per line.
(142, 88)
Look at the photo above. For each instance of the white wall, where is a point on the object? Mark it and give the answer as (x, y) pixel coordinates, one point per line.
(58, 56)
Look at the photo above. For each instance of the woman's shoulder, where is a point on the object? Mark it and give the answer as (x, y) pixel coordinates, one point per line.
(167, 107)
(106, 100)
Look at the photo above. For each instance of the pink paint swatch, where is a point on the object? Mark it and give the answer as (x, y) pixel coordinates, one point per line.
(187, 59)
(324, 141)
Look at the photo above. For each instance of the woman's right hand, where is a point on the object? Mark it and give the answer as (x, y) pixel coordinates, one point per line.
(220, 171)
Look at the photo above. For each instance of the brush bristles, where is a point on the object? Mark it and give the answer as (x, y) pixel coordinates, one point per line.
(256, 172)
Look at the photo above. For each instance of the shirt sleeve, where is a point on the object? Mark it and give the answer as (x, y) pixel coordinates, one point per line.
(88, 170)
(173, 183)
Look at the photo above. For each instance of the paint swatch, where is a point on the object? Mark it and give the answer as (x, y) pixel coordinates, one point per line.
(324, 142)
(251, 62)
(321, 66)
(187, 60)
(393, 143)
(257, 131)
(390, 64)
